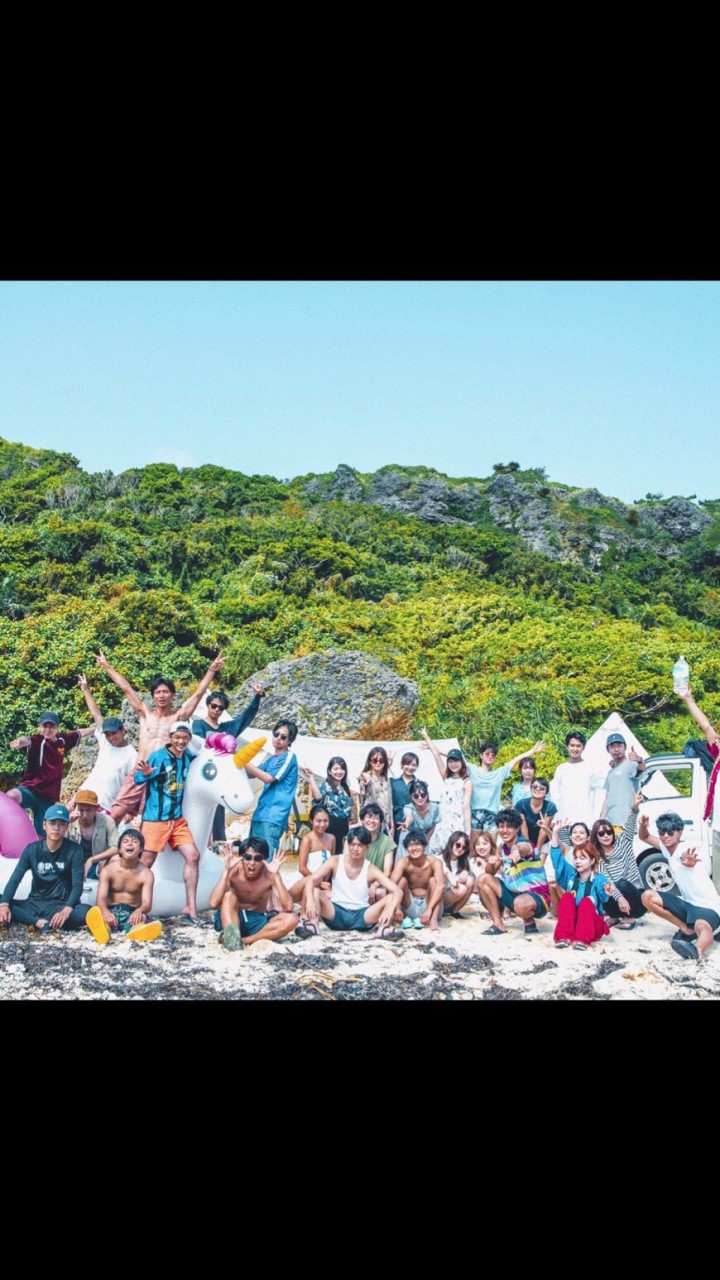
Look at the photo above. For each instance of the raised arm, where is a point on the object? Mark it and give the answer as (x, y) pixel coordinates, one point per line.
(710, 734)
(510, 764)
(133, 698)
(644, 832)
(188, 707)
(308, 773)
(92, 705)
(437, 757)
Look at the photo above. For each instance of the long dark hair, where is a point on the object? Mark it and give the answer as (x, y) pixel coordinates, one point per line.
(333, 785)
(447, 853)
(377, 751)
(601, 822)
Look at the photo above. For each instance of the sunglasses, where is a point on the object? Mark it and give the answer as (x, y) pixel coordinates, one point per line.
(253, 857)
(216, 706)
(605, 831)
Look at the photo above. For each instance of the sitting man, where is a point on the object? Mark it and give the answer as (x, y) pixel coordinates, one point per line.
(697, 912)
(56, 865)
(421, 877)
(124, 896)
(514, 879)
(42, 779)
(165, 774)
(243, 894)
(382, 850)
(348, 905)
(94, 831)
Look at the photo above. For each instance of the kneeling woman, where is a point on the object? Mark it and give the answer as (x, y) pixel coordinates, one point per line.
(580, 918)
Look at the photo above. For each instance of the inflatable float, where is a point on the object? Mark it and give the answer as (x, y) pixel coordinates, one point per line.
(216, 776)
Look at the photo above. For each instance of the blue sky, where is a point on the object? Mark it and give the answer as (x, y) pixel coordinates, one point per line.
(615, 385)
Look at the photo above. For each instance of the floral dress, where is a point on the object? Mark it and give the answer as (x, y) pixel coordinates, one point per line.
(452, 816)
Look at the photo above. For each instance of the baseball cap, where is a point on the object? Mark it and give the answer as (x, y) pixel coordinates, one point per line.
(56, 813)
(615, 737)
(48, 717)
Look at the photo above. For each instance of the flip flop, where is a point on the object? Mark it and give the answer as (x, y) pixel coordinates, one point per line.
(197, 921)
(687, 950)
(493, 931)
(389, 934)
(626, 924)
(531, 928)
(684, 937)
(97, 926)
(406, 923)
(145, 932)
(563, 942)
(306, 929)
(581, 946)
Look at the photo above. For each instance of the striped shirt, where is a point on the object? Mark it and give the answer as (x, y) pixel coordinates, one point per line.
(165, 785)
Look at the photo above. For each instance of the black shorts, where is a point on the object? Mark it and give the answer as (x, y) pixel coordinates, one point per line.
(689, 914)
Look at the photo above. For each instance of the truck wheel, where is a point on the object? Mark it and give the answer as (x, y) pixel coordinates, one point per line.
(656, 874)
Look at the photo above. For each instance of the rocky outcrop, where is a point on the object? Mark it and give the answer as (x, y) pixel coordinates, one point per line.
(342, 486)
(678, 517)
(339, 695)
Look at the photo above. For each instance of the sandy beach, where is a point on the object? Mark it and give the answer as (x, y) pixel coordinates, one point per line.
(458, 962)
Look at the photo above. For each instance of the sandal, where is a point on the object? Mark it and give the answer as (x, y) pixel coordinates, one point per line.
(562, 942)
(686, 949)
(625, 924)
(389, 934)
(306, 929)
(581, 946)
(493, 931)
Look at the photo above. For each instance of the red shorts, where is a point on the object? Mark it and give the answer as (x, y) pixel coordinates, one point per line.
(174, 833)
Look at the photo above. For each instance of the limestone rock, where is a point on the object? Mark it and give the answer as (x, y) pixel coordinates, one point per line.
(338, 694)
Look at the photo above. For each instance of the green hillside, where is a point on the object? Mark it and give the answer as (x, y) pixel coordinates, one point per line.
(517, 603)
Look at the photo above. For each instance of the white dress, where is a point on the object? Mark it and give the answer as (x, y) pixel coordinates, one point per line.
(452, 817)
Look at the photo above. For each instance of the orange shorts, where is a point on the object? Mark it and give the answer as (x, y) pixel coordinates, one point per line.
(174, 833)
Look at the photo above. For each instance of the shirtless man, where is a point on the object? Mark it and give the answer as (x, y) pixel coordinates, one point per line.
(421, 877)
(241, 898)
(124, 896)
(347, 906)
(155, 725)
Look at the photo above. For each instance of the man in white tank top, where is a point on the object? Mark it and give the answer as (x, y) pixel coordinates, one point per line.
(347, 906)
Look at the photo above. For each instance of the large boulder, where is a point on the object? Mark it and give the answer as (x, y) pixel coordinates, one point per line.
(337, 695)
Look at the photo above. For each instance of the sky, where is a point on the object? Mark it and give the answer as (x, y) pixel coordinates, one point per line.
(614, 385)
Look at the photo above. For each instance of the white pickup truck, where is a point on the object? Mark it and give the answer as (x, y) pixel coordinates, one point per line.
(677, 783)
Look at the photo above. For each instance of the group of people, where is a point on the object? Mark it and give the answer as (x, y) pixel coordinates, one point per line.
(402, 860)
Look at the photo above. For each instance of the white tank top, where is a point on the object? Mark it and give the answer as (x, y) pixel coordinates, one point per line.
(352, 894)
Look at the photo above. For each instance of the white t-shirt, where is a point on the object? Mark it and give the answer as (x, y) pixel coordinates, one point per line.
(694, 883)
(109, 771)
(572, 789)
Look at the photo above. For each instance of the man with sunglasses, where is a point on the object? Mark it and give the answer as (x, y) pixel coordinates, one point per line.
(242, 896)
(280, 775)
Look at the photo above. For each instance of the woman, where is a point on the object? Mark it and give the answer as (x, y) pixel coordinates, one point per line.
(521, 790)
(334, 793)
(534, 809)
(316, 846)
(459, 879)
(625, 905)
(455, 796)
(421, 812)
(375, 786)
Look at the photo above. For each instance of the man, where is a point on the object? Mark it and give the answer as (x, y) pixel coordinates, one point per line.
(155, 725)
(243, 894)
(124, 896)
(94, 831)
(280, 775)
(488, 783)
(400, 787)
(619, 785)
(422, 880)
(56, 866)
(46, 750)
(116, 756)
(573, 784)
(515, 879)
(165, 775)
(697, 913)
(712, 805)
(348, 905)
(382, 850)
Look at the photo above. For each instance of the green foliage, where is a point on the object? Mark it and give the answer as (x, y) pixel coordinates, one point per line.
(160, 567)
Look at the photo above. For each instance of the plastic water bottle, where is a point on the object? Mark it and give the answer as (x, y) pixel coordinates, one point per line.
(681, 676)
